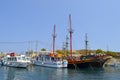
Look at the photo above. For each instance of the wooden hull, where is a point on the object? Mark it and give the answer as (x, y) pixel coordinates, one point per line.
(90, 63)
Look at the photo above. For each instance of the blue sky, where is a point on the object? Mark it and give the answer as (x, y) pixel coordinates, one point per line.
(33, 20)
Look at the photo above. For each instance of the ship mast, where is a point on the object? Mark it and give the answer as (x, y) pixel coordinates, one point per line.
(54, 36)
(66, 44)
(70, 31)
(86, 44)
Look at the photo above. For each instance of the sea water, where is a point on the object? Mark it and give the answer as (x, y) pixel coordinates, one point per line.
(45, 73)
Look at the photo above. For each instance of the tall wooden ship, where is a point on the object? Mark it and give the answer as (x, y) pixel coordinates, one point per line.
(87, 61)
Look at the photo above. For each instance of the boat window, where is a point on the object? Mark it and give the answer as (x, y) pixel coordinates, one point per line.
(28, 58)
(52, 58)
(42, 58)
(19, 58)
(23, 58)
(15, 59)
(47, 57)
(8, 59)
(12, 59)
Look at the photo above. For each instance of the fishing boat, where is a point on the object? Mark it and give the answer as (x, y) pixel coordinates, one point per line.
(12, 60)
(86, 61)
(51, 59)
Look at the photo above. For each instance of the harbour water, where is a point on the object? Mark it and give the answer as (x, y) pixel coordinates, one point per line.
(45, 73)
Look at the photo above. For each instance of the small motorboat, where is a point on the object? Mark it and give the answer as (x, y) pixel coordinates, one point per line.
(13, 60)
(50, 61)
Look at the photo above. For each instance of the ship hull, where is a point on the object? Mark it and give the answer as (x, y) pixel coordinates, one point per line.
(78, 64)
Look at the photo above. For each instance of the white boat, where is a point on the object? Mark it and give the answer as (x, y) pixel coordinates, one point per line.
(113, 62)
(13, 60)
(48, 61)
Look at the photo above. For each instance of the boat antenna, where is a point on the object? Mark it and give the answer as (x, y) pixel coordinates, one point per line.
(86, 43)
(54, 36)
(37, 47)
(70, 31)
(66, 44)
(64, 49)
